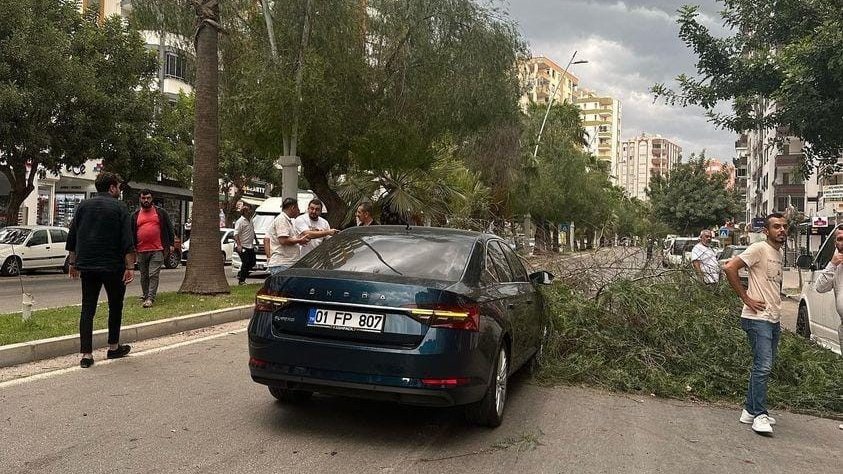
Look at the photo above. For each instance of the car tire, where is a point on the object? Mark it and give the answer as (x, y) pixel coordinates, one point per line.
(66, 267)
(11, 267)
(489, 410)
(287, 395)
(172, 259)
(803, 322)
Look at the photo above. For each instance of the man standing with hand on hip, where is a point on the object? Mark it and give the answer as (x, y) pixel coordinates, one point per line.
(761, 314)
(153, 234)
(102, 253)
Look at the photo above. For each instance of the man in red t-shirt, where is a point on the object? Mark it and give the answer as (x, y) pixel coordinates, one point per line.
(153, 234)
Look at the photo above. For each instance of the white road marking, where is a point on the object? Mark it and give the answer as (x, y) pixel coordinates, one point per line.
(155, 350)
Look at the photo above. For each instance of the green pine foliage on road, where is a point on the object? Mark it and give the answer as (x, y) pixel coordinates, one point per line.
(676, 338)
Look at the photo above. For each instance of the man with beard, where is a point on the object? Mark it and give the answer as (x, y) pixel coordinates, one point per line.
(313, 226)
(761, 314)
(153, 234)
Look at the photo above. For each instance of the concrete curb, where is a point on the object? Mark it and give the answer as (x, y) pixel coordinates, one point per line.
(23, 352)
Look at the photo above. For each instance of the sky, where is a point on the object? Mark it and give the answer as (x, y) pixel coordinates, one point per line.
(630, 45)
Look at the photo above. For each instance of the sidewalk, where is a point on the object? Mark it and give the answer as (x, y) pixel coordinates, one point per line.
(21, 353)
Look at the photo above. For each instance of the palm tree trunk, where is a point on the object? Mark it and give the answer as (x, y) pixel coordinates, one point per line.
(205, 273)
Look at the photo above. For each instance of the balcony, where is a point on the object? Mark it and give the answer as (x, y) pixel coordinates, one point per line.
(789, 160)
(790, 190)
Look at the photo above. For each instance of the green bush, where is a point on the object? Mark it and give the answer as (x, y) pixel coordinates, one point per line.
(677, 338)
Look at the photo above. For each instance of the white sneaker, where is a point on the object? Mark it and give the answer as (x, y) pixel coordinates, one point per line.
(747, 418)
(761, 424)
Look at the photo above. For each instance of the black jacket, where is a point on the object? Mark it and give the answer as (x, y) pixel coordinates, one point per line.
(167, 235)
(101, 234)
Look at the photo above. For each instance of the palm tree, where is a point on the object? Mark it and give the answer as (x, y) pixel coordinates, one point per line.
(205, 273)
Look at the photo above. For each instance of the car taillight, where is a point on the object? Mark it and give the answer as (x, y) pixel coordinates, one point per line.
(445, 382)
(269, 301)
(466, 318)
(258, 363)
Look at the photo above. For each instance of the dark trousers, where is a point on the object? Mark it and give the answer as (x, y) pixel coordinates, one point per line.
(92, 282)
(247, 263)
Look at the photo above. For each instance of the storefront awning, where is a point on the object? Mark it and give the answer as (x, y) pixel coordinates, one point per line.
(161, 189)
(252, 200)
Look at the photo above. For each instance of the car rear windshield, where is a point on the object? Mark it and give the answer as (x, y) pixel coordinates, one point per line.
(680, 246)
(13, 235)
(433, 257)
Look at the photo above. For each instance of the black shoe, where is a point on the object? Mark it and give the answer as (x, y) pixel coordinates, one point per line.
(121, 351)
(86, 362)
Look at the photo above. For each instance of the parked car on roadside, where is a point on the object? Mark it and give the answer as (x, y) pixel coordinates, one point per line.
(730, 252)
(444, 324)
(37, 247)
(678, 251)
(817, 317)
(226, 246)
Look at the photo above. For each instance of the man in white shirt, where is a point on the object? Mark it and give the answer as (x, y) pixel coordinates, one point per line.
(282, 242)
(244, 242)
(704, 259)
(313, 226)
(831, 278)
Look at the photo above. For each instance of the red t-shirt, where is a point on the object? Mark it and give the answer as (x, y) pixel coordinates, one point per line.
(149, 231)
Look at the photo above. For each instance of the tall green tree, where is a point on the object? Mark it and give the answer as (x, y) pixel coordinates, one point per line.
(783, 52)
(71, 89)
(689, 199)
(205, 273)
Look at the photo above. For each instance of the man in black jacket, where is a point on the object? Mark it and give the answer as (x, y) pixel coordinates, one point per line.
(102, 252)
(153, 234)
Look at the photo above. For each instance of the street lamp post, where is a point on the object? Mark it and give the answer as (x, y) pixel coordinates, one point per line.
(552, 98)
(544, 121)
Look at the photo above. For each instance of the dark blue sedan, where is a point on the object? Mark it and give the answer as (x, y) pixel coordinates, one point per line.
(422, 316)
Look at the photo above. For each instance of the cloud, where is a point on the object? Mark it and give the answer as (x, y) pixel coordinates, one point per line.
(630, 46)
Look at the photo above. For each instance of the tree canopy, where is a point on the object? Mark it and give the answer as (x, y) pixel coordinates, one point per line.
(781, 67)
(71, 89)
(689, 199)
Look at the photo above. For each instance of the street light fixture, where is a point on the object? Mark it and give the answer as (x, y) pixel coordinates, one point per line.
(552, 98)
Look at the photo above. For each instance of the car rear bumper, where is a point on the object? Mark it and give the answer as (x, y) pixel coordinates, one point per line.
(336, 383)
(371, 371)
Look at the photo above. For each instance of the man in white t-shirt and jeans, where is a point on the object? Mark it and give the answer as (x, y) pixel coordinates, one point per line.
(761, 314)
(704, 259)
(313, 226)
(281, 243)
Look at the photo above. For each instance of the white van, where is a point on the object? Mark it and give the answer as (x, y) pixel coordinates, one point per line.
(678, 252)
(817, 318)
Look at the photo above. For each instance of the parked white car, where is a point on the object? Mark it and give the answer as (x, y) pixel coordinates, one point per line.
(32, 247)
(226, 246)
(817, 318)
(678, 251)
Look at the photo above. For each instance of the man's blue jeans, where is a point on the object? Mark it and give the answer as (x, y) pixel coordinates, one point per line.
(763, 338)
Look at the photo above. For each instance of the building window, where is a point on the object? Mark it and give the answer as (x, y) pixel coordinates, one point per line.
(175, 66)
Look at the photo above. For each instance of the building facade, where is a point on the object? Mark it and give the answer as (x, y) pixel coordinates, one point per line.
(601, 117)
(643, 157)
(540, 77)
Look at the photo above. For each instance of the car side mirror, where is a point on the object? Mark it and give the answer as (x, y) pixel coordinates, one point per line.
(542, 277)
(805, 262)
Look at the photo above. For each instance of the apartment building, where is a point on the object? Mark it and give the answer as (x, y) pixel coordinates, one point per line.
(774, 174)
(601, 117)
(643, 157)
(741, 181)
(540, 76)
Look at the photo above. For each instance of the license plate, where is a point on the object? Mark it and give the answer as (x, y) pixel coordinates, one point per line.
(348, 320)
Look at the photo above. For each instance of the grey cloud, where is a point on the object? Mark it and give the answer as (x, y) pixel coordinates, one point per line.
(630, 46)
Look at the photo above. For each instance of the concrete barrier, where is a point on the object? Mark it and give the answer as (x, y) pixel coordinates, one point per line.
(21, 353)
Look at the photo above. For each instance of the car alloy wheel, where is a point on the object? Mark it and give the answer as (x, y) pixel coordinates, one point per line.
(11, 267)
(489, 410)
(803, 324)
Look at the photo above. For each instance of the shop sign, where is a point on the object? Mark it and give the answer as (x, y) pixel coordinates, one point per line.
(818, 221)
(255, 189)
(833, 192)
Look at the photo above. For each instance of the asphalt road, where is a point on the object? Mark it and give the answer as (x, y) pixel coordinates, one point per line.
(191, 407)
(53, 288)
